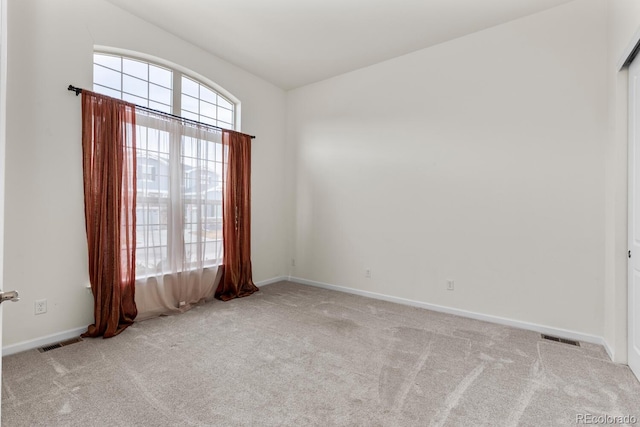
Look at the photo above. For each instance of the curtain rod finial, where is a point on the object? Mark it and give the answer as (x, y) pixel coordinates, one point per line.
(77, 90)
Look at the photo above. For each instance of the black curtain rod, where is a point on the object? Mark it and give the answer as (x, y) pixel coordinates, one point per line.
(78, 91)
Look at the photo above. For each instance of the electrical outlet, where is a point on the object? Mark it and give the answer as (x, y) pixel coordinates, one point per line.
(293, 262)
(367, 273)
(41, 306)
(450, 285)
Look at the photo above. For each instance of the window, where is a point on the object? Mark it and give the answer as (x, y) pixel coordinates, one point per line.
(153, 86)
(135, 81)
(200, 103)
(201, 161)
(146, 172)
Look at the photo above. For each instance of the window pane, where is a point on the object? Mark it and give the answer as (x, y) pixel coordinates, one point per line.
(219, 155)
(224, 103)
(159, 142)
(106, 77)
(160, 107)
(207, 109)
(114, 62)
(190, 251)
(189, 104)
(135, 86)
(141, 253)
(208, 120)
(190, 147)
(189, 115)
(135, 99)
(106, 91)
(207, 95)
(141, 138)
(225, 115)
(160, 76)
(135, 68)
(159, 94)
(163, 186)
(211, 151)
(189, 87)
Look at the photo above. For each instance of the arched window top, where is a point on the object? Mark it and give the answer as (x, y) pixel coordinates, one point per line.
(162, 88)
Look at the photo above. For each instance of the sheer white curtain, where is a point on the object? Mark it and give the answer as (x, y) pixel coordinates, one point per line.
(181, 168)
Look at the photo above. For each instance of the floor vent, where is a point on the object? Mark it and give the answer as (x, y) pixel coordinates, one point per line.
(58, 345)
(560, 340)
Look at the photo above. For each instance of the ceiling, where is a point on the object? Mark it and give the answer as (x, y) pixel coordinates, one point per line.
(291, 43)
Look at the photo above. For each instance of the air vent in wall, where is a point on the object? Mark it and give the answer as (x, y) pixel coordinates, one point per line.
(59, 344)
(560, 340)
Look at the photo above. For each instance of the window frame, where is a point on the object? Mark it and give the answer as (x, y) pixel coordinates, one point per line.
(177, 72)
(177, 75)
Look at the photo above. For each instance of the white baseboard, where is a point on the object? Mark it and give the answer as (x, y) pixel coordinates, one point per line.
(608, 349)
(72, 333)
(563, 333)
(558, 332)
(42, 341)
(271, 281)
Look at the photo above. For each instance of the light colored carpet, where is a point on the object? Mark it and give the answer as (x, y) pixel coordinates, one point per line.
(295, 355)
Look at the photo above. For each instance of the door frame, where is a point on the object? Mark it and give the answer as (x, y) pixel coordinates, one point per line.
(633, 203)
(3, 123)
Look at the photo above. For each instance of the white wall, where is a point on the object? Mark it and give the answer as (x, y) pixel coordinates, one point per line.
(479, 160)
(51, 46)
(488, 149)
(623, 19)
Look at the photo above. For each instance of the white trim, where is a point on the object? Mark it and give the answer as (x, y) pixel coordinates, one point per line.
(272, 281)
(608, 349)
(72, 333)
(562, 333)
(628, 51)
(42, 341)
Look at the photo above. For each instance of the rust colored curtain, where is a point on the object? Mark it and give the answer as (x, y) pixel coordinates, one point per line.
(236, 280)
(109, 167)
